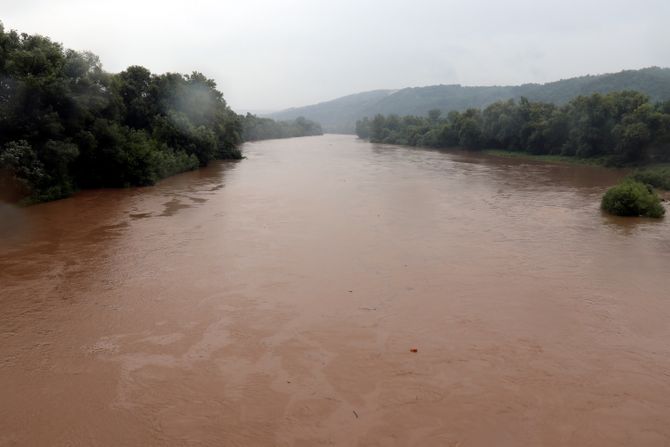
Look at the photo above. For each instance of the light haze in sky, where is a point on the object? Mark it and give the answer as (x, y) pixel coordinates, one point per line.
(269, 55)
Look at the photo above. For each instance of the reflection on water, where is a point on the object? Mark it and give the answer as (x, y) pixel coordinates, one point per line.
(274, 301)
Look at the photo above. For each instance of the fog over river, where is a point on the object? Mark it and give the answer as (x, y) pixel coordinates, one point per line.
(276, 301)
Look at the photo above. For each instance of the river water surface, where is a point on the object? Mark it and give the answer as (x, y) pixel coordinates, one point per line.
(275, 301)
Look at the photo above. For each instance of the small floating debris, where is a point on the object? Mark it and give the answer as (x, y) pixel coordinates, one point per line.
(414, 350)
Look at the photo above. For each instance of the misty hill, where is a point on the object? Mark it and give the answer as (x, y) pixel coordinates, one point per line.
(340, 115)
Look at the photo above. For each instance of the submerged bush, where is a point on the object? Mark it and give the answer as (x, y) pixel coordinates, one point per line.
(632, 198)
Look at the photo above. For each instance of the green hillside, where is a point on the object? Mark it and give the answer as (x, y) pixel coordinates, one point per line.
(340, 115)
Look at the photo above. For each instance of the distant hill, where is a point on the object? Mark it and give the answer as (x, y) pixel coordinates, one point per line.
(340, 115)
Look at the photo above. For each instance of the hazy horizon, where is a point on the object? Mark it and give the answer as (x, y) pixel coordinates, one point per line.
(267, 56)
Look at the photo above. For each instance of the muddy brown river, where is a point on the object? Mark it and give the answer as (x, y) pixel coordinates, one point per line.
(276, 301)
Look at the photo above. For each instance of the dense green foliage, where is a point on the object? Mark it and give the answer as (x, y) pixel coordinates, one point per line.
(624, 127)
(632, 198)
(256, 128)
(66, 124)
(656, 176)
(341, 114)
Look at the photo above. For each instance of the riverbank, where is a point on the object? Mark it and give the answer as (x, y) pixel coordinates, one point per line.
(594, 161)
(600, 161)
(655, 174)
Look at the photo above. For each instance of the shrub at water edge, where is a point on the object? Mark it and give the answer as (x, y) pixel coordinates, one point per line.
(632, 198)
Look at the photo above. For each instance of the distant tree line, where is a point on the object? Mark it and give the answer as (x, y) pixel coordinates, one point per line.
(622, 127)
(66, 124)
(256, 128)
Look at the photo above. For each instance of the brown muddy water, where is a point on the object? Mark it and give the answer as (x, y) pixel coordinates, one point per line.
(275, 301)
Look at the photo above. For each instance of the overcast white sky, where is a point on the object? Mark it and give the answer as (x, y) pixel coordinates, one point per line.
(268, 55)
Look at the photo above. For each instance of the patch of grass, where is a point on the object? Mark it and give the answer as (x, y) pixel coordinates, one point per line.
(599, 161)
(657, 176)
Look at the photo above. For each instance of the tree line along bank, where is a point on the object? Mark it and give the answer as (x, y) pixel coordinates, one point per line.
(66, 124)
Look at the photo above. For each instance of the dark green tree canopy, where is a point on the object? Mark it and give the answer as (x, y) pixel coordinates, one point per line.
(66, 124)
(624, 127)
